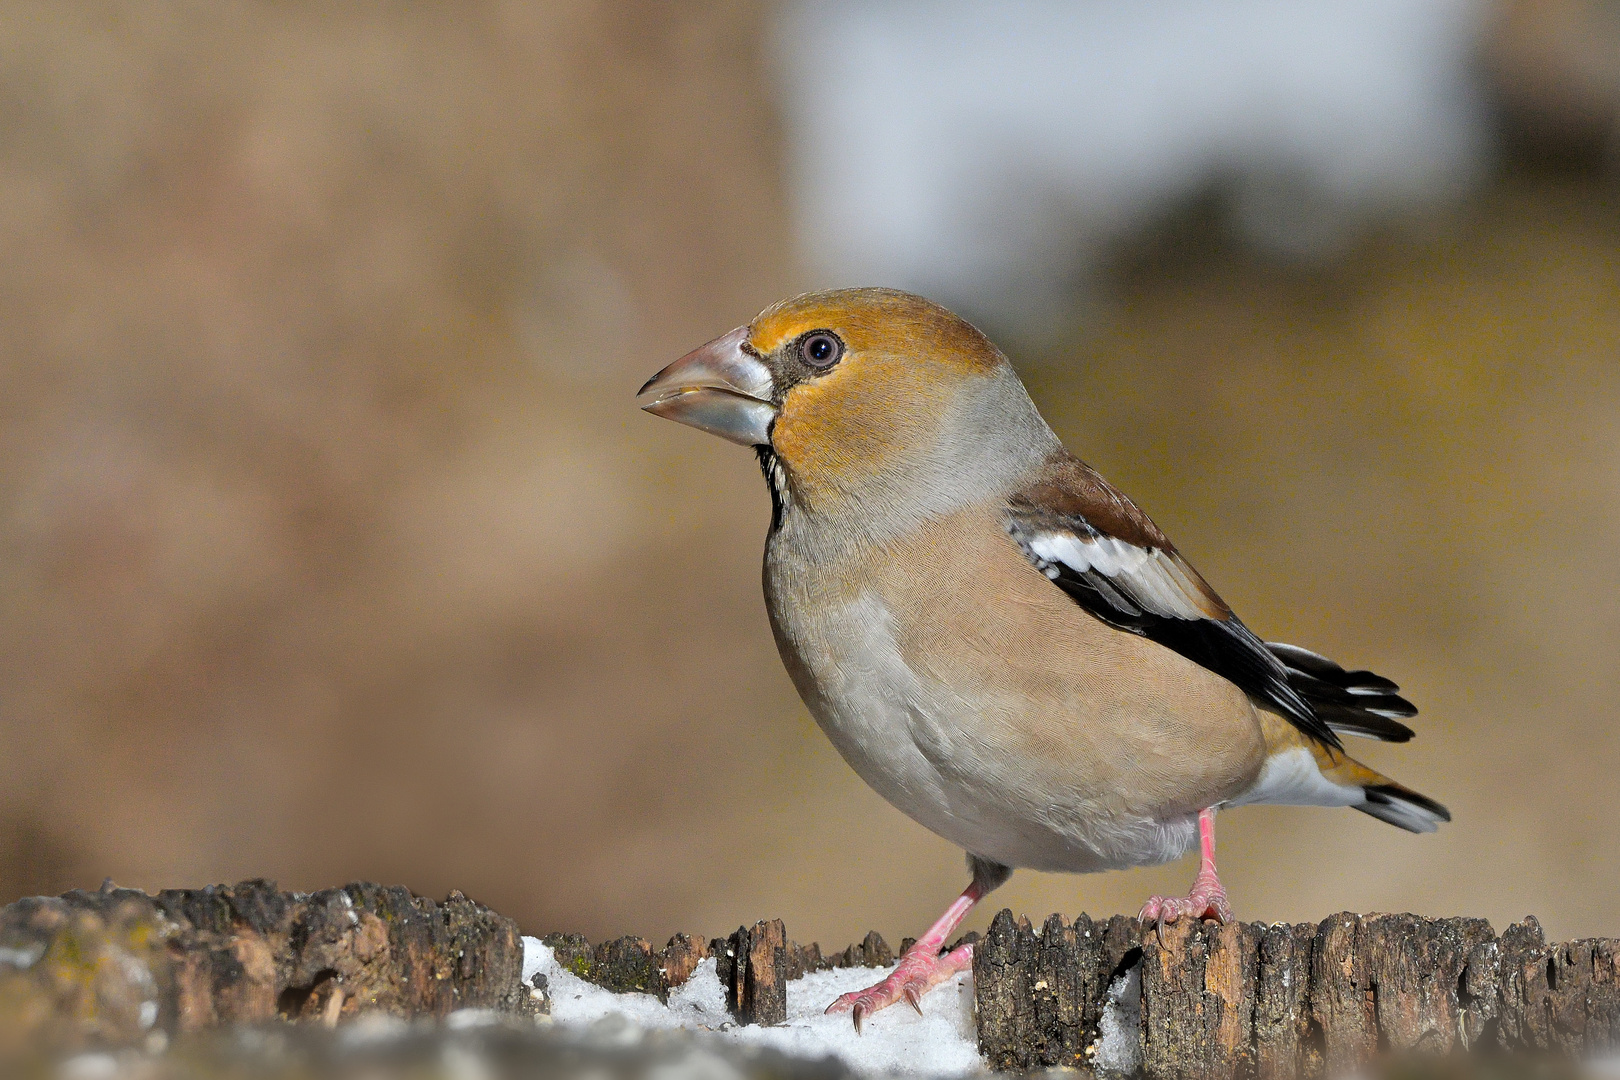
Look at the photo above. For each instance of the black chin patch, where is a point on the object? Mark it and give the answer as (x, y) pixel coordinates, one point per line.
(775, 479)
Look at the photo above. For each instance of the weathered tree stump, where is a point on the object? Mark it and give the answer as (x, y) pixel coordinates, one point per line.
(624, 965)
(758, 990)
(118, 967)
(682, 956)
(1040, 997)
(1248, 999)
(754, 964)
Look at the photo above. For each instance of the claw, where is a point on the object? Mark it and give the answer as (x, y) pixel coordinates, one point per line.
(913, 999)
(1207, 901)
(859, 1013)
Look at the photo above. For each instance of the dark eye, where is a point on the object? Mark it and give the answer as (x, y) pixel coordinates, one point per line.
(821, 348)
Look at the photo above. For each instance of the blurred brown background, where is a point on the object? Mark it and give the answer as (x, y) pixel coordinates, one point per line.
(332, 545)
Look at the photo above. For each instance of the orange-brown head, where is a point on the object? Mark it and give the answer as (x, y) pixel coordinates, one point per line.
(864, 397)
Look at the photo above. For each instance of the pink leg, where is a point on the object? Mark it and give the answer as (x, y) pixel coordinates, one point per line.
(1208, 896)
(923, 967)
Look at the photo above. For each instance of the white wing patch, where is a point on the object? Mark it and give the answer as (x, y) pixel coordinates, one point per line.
(1146, 577)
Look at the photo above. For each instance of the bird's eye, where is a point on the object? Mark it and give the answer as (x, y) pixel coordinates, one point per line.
(821, 348)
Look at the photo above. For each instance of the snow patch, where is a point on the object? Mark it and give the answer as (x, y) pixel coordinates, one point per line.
(942, 1042)
(1118, 1050)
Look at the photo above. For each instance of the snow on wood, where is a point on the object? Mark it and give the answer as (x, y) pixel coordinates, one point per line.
(117, 968)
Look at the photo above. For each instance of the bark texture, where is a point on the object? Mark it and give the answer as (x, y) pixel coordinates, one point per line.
(1250, 1000)
(118, 967)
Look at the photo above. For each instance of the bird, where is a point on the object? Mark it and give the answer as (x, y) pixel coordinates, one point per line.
(996, 639)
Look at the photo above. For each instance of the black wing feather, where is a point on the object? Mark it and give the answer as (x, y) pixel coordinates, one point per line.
(1224, 646)
(1354, 702)
(1099, 548)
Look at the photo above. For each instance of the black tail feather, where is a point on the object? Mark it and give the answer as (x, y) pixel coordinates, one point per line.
(1403, 808)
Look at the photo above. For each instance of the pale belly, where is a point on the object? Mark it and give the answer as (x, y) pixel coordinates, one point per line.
(1039, 761)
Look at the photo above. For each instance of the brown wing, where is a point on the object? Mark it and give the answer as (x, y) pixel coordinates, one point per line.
(1097, 546)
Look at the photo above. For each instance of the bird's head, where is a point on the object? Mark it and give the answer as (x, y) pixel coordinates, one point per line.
(871, 396)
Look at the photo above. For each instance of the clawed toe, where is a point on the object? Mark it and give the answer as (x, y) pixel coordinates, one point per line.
(864, 1003)
(914, 977)
(1199, 905)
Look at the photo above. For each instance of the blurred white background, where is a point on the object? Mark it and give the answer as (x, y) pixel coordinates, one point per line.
(987, 153)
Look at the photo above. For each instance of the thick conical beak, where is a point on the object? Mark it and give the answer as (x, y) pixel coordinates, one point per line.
(718, 388)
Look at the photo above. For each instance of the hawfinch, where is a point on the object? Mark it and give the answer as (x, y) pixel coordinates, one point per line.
(995, 638)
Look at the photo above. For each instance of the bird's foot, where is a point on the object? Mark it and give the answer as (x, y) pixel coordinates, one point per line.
(918, 972)
(1206, 901)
